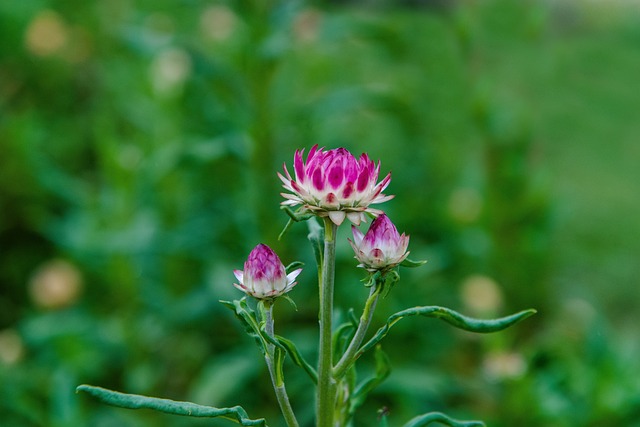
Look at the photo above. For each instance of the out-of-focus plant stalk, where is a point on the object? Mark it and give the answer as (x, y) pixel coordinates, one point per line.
(326, 393)
(259, 68)
(276, 380)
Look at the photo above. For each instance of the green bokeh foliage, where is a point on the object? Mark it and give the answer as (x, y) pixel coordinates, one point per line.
(139, 142)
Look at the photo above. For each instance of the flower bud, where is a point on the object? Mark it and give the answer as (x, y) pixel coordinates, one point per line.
(382, 247)
(264, 276)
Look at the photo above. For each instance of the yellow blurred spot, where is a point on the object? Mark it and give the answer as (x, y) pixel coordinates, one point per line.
(169, 70)
(481, 295)
(218, 22)
(47, 34)
(465, 205)
(11, 347)
(504, 365)
(55, 284)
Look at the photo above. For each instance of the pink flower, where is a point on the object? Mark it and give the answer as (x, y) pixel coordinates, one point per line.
(335, 184)
(382, 247)
(264, 276)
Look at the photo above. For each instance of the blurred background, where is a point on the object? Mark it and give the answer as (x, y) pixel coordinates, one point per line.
(139, 145)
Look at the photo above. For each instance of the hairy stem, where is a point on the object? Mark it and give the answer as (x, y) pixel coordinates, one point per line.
(347, 359)
(325, 399)
(277, 380)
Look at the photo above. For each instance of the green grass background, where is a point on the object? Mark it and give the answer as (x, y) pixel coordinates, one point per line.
(139, 143)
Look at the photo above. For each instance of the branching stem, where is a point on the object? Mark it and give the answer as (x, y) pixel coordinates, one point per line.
(347, 359)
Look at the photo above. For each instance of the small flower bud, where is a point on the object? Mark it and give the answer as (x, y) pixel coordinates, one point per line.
(264, 276)
(382, 247)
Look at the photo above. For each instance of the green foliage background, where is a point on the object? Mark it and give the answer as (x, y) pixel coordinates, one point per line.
(139, 144)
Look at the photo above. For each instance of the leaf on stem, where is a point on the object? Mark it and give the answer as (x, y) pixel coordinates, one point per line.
(294, 216)
(297, 358)
(247, 317)
(439, 417)
(411, 263)
(316, 237)
(293, 266)
(383, 369)
(452, 317)
(134, 401)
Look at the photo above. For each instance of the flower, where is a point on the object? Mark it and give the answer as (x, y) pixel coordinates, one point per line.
(264, 276)
(382, 247)
(334, 183)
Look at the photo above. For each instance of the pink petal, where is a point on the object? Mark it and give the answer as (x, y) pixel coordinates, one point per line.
(239, 275)
(357, 235)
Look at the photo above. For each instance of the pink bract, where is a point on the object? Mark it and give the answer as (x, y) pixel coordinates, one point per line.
(334, 183)
(264, 276)
(382, 247)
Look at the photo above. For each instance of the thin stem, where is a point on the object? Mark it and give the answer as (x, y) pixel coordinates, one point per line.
(347, 359)
(325, 400)
(277, 380)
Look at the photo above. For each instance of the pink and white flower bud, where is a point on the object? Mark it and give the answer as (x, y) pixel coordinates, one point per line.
(334, 183)
(264, 276)
(382, 247)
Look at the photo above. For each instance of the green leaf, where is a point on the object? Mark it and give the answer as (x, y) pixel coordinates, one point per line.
(316, 237)
(438, 417)
(247, 317)
(294, 216)
(342, 336)
(134, 401)
(383, 369)
(286, 346)
(412, 264)
(294, 265)
(297, 358)
(452, 317)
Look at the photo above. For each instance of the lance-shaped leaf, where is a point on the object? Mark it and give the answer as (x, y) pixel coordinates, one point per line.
(247, 317)
(286, 346)
(383, 369)
(294, 216)
(452, 317)
(316, 237)
(438, 417)
(297, 358)
(135, 401)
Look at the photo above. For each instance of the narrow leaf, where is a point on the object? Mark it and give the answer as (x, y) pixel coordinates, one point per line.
(247, 317)
(452, 317)
(297, 358)
(285, 229)
(294, 265)
(134, 401)
(432, 417)
(316, 237)
(383, 369)
(411, 263)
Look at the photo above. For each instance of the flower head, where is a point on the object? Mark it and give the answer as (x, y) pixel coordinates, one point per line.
(334, 183)
(264, 276)
(382, 247)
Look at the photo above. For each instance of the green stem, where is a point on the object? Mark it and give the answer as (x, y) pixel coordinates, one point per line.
(325, 400)
(276, 379)
(347, 359)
